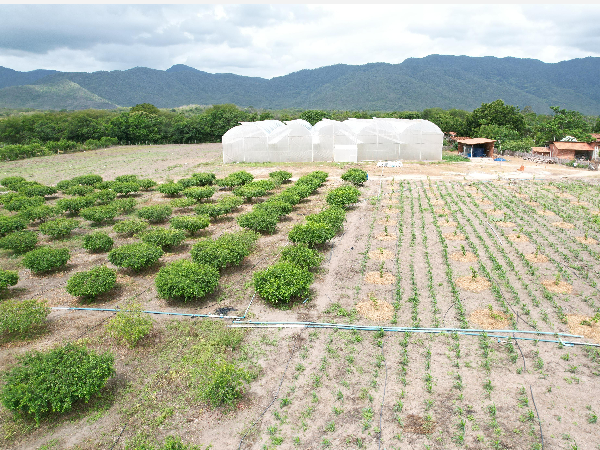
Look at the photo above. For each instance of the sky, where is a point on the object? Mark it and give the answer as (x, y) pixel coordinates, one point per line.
(269, 40)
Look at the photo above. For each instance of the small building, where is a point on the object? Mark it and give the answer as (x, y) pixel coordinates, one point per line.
(542, 151)
(572, 150)
(476, 148)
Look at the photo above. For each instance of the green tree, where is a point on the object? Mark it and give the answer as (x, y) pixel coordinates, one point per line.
(148, 108)
(496, 113)
(313, 116)
(564, 123)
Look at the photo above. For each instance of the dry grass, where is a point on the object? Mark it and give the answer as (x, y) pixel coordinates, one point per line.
(578, 203)
(485, 202)
(587, 241)
(437, 203)
(380, 278)
(505, 224)
(418, 425)
(467, 257)
(471, 284)
(591, 331)
(539, 258)
(375, 310)
(454, 237)
(381, 255)
(492, 320)
(562, 287)
(563, 225)
(518, 237)
(495, 211)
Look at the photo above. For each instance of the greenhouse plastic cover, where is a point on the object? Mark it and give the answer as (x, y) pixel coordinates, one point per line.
(352, 140)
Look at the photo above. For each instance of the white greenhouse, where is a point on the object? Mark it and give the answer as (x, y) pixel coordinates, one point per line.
(329, 140)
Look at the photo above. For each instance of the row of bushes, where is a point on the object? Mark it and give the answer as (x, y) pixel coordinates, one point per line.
(22, 151)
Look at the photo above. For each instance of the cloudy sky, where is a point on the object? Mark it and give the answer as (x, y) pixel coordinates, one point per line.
(268, 40)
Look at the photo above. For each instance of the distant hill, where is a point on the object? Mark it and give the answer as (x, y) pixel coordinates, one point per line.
(417, 83)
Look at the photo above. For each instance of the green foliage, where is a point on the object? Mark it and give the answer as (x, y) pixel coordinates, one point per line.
(495, 113)
(135, 256)
(124, 205)
(253, 189)
(186, 280)
(125, 187)
(227, 249)
(190, 223)
(299, 190)
(170, 188)
(40, 213)
(33, 388)
(280, 175)
(87, 180)
(287, 196)
(8, 224)
(148, 108)
(281, 282)
(22, 316)
(450, 157)
(74, 204)
(92, 283)
(11, 182)
(130, 178)
(259, 220)
(59, 228)
(236, 179)
(35, 189)
(313, 116)
(130, 227)
(21, 203)
(155, 213)
(99, 214)
(198, 179)
(79, 189)
(334, 216)
(276, 207)
(564, 123)
(355, 176)
(199, 192)
(146, 184)
(8, 278)
(19, 241)
(171, 443)
(98, 242)
(163, 237)
(343, 196)
(129, 325)
(311, 233)
(45, 259)
(104, 196)
(182, 202)
(301, 256)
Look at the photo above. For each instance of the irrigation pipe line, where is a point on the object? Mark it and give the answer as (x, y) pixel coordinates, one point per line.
(495, 232)
(384, 388)
(114, 310)
(120, 434)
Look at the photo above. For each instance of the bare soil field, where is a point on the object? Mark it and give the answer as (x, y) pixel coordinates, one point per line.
(424, 362)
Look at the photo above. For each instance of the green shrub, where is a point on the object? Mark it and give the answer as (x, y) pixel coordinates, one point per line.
(186, 280)
(8, 224)
(204, 178)
(287, 196)
(130, 227)
(32, 387)
(99, 214)
(222, 382)
(155, 213)
(190, 223)
(182, 202)
(98, 242)
(301, 256)
(64, 184)
(59, 228)
(355, 176)
(127, 179)
(281, 282)
(79, 189)
(163, 237)
(21, 202)
(170, 189)
(104, 196)
(146, 184)
(22, 316)
(41, 213)
(104, 185)
(199, 192)
(129, 325)
(75, 204)
(254, 189)
(125, 187)
(334, 216)
(19, 241)
(275, 207)
(236, 179)
(124, 205)
(227, 249)
(8, 278)
(301, 191)
(135, 256)
(9, 182)
(261, 221)
(92, 283)
(87, 180)
(171, 443)
(311, 233)
(45, 259)
(9, 197)
(281, 175)
(343, 196)
(36, 190)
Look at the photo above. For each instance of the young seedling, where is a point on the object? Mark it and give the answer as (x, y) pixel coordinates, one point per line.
(463, 250)
(474, 273)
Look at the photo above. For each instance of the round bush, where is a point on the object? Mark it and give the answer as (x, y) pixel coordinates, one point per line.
(227, 249)
(11, 181)
(355, 176)
(22, 316)
(79, 189)
(8, 278)
(59, 228)
(236, 179)
(19, 203)
(343, 196)
(8, 224)
(130, 227)
(146, 184)
(64, 184)
(9, 197)
(129, 325)
(87, 180)
(135, 256)
(190, 223)
(104, 196)
(186, 280)
(127, 179)
(163, 237)
(281, 282)
(254, 189)
(288, 197)
(125, 187)
(281, 175)
(301, 256)
(199, 192)
(40, 213)
(92, 283)
(204, 179)
(170, 189)
(311, 233)
(124, 205)
(275, 207)
(74, 204)
(98, 242)
(35, 189)
(300, 190)
(45, 259)
(99, 214)
(32, 387)
(334, 216)
(19, 241)
(155, 213)
(182, 202)
(259, 220)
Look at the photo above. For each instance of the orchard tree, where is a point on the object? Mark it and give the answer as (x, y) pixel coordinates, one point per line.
(496, 113)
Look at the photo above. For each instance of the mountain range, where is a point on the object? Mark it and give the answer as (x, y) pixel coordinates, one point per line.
(446, 82)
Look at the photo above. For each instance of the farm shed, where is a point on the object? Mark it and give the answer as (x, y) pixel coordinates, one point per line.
(476, 148)
(571, 150)
(329, 140)
(543, 151)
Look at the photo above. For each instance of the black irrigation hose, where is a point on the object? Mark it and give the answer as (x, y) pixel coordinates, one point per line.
(274, 398)
(119, 436)
(95, 326)
(384, 388)
(447, 311)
